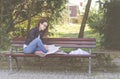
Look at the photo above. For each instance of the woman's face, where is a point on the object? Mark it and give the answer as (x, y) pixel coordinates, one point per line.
(43, 26)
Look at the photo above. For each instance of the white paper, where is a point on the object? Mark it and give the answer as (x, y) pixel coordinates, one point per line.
(79, 51)
(52, 49)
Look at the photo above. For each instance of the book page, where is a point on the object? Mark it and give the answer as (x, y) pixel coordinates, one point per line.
(52, 49)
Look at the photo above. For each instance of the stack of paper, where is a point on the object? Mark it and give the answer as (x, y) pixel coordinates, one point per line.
(79, 51)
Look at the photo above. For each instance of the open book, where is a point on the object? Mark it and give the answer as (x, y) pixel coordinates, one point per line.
(52, 49)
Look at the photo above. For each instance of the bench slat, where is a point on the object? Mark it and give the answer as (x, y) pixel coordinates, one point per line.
(49, 55)
(70, 42)
(60, 42)
(68, 39)
(63, 42)
(63, 45)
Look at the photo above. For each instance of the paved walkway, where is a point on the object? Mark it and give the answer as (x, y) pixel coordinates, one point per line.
(45, 69)
(56, 75)
(35, 74)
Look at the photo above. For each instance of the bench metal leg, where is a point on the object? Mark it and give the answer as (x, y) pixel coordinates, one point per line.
(11, 64)
(17, 66)
(89, 69)
(90, 63)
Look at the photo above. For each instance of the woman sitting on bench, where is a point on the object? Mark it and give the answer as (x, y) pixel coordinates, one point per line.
(33, 42)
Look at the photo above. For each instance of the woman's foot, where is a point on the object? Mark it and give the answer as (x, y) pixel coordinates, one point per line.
(40, 53)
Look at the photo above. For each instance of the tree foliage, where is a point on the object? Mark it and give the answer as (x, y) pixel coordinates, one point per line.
(107, 23)
(111, 28)
(15, 12)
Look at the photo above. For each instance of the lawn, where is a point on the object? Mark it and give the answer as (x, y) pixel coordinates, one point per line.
(72, 30)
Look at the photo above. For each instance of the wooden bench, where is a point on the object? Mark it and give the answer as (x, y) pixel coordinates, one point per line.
(88, 43)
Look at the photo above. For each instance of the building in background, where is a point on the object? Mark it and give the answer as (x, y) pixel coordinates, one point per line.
(76, 8)
(73, 10)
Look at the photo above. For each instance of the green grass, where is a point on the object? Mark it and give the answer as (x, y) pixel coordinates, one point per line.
(72, 30)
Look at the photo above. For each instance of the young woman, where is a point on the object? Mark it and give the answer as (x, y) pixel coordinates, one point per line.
(33, 43)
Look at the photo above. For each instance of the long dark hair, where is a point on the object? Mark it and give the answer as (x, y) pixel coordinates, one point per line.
(41, 21)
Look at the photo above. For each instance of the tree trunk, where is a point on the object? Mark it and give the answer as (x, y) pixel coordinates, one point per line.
(29, 16)
(81, 32)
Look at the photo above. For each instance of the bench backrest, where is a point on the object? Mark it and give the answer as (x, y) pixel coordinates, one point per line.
(63, 42)
(72, 42)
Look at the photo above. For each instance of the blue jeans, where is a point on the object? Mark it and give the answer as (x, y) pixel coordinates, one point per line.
(35, 45)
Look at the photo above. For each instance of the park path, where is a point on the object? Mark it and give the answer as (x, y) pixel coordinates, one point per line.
(35, 74)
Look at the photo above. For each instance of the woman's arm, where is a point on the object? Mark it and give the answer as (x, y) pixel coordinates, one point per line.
(30, 37)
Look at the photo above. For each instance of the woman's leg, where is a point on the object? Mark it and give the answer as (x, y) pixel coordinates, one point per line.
(35, 45)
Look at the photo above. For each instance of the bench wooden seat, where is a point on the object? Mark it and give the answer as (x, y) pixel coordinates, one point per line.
(88, 43)
(49, 55)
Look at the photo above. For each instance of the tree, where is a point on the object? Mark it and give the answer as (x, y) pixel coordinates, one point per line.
(111, 27)
(81, 33)
(106, 22)
(14, 12)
